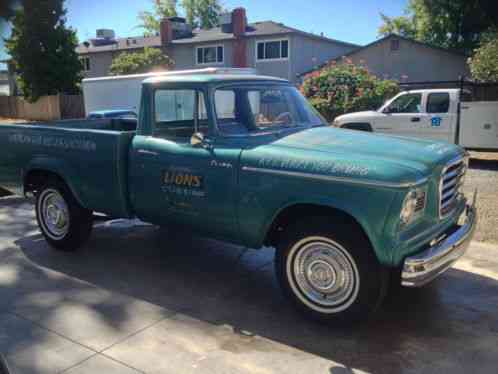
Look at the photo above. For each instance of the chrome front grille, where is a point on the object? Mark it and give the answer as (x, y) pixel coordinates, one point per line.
(451, 180)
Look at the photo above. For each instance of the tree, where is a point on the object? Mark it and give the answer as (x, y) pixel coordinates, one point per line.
(43, 50)
(150, 59)
(401, 25)
(198, 13)
(342, 88)
(7, 11)
(205, 12)
(190, 11)
(150, 20)
(455, 24)
(484, 63)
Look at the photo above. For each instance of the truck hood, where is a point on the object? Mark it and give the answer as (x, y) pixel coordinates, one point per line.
(349, 153)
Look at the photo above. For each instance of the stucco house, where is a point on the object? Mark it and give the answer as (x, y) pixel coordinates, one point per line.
(407, 60)
(272, 48)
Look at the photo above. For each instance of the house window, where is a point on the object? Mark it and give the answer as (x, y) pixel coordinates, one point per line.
(85, 61)
(209, 55)
(272, 50)
(394, 44)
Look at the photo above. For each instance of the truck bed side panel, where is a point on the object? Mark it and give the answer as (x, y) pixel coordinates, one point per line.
(93, 163)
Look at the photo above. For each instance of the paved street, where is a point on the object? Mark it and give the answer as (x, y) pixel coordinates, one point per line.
(140, 299)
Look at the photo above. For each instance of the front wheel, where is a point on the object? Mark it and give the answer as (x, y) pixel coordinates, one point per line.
(329, 271)
(64, 223)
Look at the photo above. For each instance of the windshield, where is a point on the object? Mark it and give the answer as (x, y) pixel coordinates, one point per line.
(243, 110)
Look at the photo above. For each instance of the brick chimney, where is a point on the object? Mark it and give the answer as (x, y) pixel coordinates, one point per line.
(239, 24)
(166, 31)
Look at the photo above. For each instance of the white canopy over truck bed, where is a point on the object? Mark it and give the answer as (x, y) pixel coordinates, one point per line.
(122, 92)
(479, 121)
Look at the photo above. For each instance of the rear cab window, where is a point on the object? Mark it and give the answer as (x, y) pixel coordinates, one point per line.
(438, 102)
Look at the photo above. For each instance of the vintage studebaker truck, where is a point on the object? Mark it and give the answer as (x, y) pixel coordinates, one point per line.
(245, 159)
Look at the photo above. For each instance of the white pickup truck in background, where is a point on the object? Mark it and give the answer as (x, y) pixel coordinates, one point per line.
(441, 114)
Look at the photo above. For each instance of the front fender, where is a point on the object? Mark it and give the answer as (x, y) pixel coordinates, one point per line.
(59, 167)
(373, 228)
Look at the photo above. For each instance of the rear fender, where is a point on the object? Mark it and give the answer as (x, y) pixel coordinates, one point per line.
(60, 168)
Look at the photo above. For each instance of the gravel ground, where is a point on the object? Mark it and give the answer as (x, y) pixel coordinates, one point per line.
(483, 175)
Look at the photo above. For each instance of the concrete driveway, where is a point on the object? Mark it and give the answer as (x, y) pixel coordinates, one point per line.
(139, 299)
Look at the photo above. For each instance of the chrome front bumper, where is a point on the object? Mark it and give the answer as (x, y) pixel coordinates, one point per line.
(424, 267)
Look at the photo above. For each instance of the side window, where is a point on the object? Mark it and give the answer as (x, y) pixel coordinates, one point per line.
(175, 113)
(409, 103)
(438, 102)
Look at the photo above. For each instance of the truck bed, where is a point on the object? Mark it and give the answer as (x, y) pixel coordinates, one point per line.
(90, 155)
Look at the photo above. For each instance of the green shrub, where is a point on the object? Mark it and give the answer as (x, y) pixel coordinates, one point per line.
(484, 63)
(146, 61)
(343, 87)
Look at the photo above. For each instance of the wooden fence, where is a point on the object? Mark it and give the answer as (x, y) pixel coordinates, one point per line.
(47, 108)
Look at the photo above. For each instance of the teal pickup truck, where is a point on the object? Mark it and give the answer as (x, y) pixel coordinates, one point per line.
(245, 159)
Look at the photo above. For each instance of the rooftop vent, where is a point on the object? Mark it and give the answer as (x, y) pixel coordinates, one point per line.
(180, 27)
(106, 34)
(225, 21)
(104, 37)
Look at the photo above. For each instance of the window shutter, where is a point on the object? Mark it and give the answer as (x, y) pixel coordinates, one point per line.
(220, 54)
(261, 51)
(285, 49)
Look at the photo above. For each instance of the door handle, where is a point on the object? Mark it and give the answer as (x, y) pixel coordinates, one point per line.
(415, 119)
(146, 152)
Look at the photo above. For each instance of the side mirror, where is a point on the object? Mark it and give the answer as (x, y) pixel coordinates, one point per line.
(197, 140)
(386, 110)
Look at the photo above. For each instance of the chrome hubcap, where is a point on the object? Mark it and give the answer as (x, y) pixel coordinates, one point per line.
(323, 274)
(55, 214)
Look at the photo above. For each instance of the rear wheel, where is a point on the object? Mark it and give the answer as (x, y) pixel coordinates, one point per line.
(64, 223)
(329, 271)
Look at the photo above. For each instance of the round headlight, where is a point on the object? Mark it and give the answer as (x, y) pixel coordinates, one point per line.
(409, 206)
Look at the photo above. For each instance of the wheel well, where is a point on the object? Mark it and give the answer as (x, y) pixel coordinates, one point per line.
(297, 212)
(361, 126)
(35, 179)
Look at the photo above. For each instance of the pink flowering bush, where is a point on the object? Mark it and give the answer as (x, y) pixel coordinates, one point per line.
(340, 88)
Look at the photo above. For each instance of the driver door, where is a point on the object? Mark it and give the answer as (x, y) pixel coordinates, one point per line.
(176, 182)
(403, 116)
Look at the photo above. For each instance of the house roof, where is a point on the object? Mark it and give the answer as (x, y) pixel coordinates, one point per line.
(264, 28)
(122, 44)
(381, 40)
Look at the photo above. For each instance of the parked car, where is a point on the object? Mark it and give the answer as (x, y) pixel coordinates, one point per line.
(438, 114)
(117, 113)
(345, 209)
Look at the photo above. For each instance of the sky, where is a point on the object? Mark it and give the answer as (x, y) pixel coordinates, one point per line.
(354, 21)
